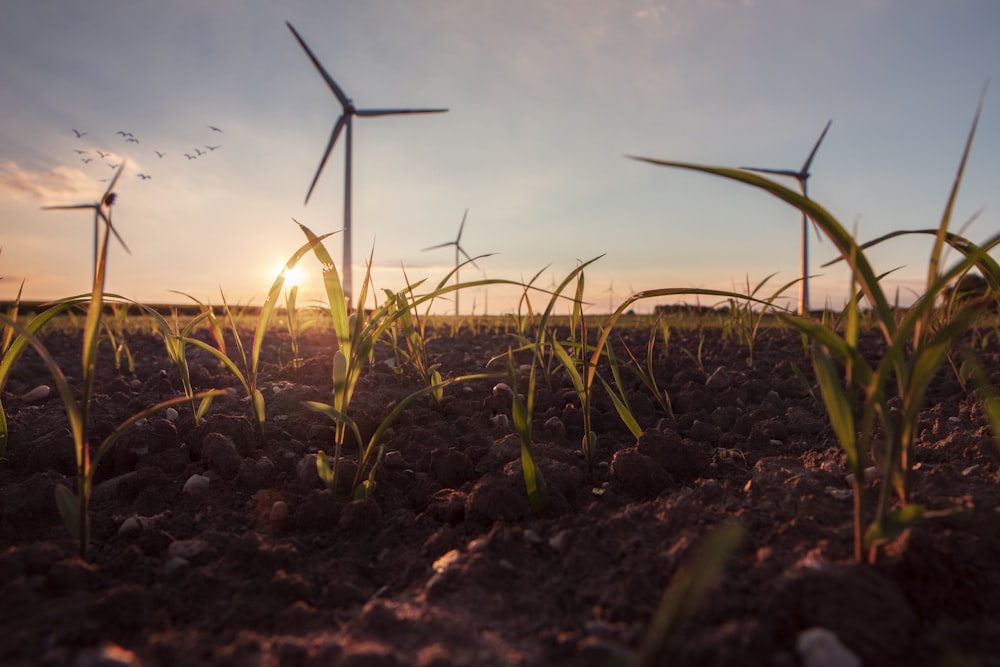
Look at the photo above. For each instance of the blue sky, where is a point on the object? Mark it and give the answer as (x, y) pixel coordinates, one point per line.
(545, 101)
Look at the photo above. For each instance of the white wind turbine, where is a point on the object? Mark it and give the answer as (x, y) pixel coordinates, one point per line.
(106, 200)
(459, 250)
(802, 176)
(345, 120)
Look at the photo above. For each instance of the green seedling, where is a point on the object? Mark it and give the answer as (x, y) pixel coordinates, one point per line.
(74, 506)
(746, 320)
(917, 344)
(522, 410)
(356, 335)
(243, 367)
(174, 338)
(372, 451)
(645, 372)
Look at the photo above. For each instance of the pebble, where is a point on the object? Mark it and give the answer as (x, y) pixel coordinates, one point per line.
(279, 512)
(186, 549)
(819, 647)
(39, 393)
(500, 421)
(196, 484)
(171, 414)
(502, 388)
(555, 426)
(107, 655)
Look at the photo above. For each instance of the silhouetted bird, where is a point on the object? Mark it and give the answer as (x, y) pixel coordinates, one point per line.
(190, 157)
(198, 152)
(214, 128)
(212, 148)
(144, 177)
(79, 152)
(114, 166)
(103, 154)
(78, 133)
(124, 133)
(159, 154)
(131, 140)
(87, 160)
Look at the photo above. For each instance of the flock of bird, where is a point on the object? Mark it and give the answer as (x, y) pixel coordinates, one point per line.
(113, 159)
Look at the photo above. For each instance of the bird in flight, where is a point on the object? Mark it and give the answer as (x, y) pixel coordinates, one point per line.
(114, 166)
(144, 177)
(131, 140)
(78, 133)
(103, 154)
(124, 133)
(212, 148)
(198, 152)
(79, 152)
(87, 160)
(190, 157)
(214, 128)
(159, 154)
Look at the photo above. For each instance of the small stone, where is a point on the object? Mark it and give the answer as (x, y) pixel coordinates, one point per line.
(500, 421)
(107, 655)
(446, 561)
(39, 393)
(131, 525)
(171, 414)
(503, 389)
(818, 647)
(187, 549)
(561, 540)
(221, 455)
(196, 484)
(279, 512)
(555, 426)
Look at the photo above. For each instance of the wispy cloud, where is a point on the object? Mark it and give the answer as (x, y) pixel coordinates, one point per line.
(54, 186)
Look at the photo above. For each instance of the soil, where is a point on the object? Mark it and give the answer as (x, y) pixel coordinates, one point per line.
(446, 564)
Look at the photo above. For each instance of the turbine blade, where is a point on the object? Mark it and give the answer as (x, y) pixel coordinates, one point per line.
(68, 208)
(344, 100)
(111, 185)
(439, 245)
(780, 172)
(337, 128)
(461, 227)
(114, 231)
(396, 112)
(805, 167)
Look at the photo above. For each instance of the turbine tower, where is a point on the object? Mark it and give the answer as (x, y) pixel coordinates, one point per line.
(345, 121)
(802, 176)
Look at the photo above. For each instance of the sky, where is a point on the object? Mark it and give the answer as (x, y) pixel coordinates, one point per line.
(546, 100)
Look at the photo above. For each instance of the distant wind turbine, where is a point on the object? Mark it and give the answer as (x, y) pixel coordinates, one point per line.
(106, 200)
(802, 176)
(345, 120)
(458, 250)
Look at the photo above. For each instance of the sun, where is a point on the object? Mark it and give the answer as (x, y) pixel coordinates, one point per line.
(293, 276)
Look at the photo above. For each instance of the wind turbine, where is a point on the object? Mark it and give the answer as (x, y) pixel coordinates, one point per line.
(345, 120)
(458, 250)
(107, 199)
(802, 176)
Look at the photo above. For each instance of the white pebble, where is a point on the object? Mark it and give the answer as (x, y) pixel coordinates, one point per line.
(502, 388)
(818, 647)
(39, 393)
(279, 511)
(170, 414)
(196, 484)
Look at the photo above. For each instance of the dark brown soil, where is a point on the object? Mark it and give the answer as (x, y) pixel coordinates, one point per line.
(446, 564)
